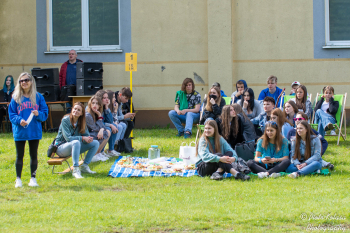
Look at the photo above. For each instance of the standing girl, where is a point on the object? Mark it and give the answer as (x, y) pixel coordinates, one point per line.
(97, 129)
(213, 105)
(290, 111)
(326, 109)
(74, 138)
(215, 155)
(272, 154)
(27, 110)
(278, 117)
(306, 152)
(302, 102)
(251, 107)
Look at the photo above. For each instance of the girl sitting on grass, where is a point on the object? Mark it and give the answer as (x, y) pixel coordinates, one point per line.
(272, 154)
(215, 154)
(306, 152)
(73, 139)
(97, 129)
(302, 102)
(278, 117)
(290, 111)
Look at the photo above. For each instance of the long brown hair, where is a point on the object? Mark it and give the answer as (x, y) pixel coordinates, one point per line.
(110, 96)
(209, 106)
(301, 104)
(281, 119)
(217, 137)
(81, 120)
(278, 137)
(309, 132)
(89, 109)
(184, 83)
(294, 106)
(229, 126)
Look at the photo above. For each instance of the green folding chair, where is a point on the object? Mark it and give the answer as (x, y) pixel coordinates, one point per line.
(340, 116)
(227, 100)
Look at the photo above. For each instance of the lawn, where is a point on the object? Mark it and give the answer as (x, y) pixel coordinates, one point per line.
(99, 203)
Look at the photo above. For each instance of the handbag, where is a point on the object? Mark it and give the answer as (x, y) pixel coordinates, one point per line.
(188, 153)
(245, 150)
(124, 145)
(53, 147)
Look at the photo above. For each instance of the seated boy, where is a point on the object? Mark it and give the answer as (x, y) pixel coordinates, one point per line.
(295, 86)
(121, 98)
(216, 84)
(272, 90)
(241, 85)
(262, 118)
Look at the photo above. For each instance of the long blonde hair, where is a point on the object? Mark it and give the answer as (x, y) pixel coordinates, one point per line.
(18, 92)
(209, 106)
(89, 109)
(217, 137)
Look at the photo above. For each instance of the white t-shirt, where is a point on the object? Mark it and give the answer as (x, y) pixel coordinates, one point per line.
(325, 106)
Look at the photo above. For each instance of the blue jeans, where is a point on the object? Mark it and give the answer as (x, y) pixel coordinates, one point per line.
(121, 130)
(112, 139)
(310, 168)
(323, 119)
(189, 119)
(68, 107)
(75, 148)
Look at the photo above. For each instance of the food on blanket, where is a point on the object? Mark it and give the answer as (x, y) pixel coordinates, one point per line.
(190, 167)
(167, 170)
(177, 169)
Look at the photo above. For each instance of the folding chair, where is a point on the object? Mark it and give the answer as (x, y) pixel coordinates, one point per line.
(201, 127)
(340, 116)
(227, 100)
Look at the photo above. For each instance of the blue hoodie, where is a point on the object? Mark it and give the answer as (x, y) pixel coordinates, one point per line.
(17, 113)
(234, 93)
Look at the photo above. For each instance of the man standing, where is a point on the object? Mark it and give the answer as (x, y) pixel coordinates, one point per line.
(68, 72)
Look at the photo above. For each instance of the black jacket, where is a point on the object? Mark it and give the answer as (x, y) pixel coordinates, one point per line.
(215, 113)
(333, 106)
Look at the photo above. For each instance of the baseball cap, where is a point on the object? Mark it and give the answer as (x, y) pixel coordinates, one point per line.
(295, 83)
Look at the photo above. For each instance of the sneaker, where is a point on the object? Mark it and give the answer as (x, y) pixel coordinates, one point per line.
(18, 183)
(293, 175)
(179, 134)
(275, 175)
(242, 176)
(216, 176)
(187, 135)
(95, 158)
(76, 173)
(262, 175)
(104, 156)
(112, 153)
(330, 166)
(333, 132)
(33, 183)
(86, 169)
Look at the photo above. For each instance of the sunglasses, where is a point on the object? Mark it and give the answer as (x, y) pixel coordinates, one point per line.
(299, 119)
(24, 80)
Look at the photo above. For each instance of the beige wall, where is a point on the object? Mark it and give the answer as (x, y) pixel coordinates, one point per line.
(222, 41)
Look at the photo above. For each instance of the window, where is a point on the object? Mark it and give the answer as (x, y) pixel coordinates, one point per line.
(84, 25)
(337, 23)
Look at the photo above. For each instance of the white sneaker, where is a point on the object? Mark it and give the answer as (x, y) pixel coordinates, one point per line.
(293, 175)
(85, 168)
(103, 156)
(262, 175)
(113, 153)
(275, 175)
(333, 132)
(33, 183)
(76, 173)
(18, 183)
(95, 159)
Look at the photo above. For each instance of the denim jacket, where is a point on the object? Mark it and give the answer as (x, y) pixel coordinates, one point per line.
(260, 120)
(315, 151)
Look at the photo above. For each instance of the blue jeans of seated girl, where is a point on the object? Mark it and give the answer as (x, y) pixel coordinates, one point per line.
(112, 139)
(310, 168)
(189, 118)
(121, 130)
(75, 148)
(323, 119)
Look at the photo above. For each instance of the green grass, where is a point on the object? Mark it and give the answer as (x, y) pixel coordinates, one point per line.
(99, 203)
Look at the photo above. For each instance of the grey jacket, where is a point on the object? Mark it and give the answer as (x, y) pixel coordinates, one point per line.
(94, 127)
(315, 151)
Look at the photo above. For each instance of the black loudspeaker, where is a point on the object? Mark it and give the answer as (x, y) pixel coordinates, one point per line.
(51, 93)
(66, 91)
(89, 70)
(46, 76)
(88, 87)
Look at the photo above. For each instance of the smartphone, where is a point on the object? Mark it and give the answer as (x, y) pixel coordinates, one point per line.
(267, 157)
(135, 112)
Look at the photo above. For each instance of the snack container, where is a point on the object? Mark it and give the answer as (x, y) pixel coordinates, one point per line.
(153, 152)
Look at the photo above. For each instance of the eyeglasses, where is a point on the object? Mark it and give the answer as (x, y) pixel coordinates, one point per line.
(24, 80)
(299, 119)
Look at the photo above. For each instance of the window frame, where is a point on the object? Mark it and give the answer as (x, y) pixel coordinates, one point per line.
(332, 43)
(84, 33)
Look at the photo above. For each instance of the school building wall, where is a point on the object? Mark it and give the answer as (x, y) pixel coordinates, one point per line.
(221, 41)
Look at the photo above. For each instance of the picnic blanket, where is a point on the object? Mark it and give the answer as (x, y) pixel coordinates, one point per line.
(119, 171)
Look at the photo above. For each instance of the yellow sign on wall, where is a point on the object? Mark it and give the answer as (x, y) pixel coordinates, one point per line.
(131, 62)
